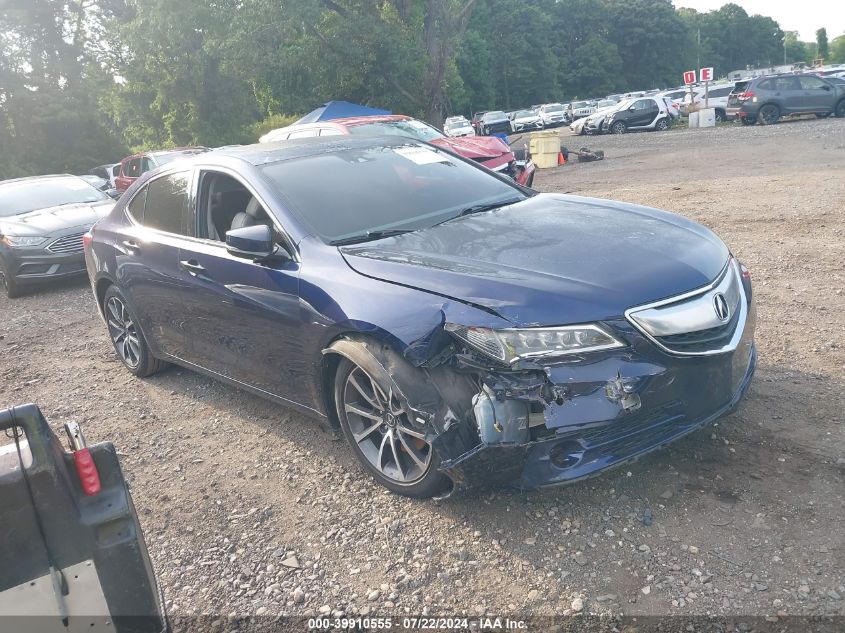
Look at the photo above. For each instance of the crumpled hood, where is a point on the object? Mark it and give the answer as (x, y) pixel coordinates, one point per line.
(474, 147)
(551, 259)
(46, 221)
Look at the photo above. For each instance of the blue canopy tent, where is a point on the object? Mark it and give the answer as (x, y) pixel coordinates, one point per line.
(339, 110)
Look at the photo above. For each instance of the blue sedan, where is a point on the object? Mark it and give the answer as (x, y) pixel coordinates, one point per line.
(459, 329)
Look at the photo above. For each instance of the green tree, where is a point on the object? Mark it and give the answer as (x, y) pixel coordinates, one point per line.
(837, 50)
(822, 50)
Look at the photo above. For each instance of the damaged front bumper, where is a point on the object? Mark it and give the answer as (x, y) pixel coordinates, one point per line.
(569, 421)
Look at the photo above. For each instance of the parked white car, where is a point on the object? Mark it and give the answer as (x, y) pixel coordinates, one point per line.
(552, 114)
(525, 121)
(592, 124)
(580, 109)
(458, 126)
(716, 97)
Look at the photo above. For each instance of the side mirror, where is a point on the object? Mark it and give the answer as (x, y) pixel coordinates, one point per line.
(114, 194)
(252, 242)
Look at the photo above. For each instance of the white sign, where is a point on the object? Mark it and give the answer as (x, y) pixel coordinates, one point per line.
(689, 77)
(706, 74)
(421, 155)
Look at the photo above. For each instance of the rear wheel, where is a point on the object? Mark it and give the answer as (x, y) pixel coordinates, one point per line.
(721, 116)
(377, 427)
(748, 120)
(769, 114)
(840, 108)
(126, 336)
(619, 128)
(8, 282)
(662, 125)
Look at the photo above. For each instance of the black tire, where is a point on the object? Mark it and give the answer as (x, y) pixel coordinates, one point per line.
(840, 109)
(132, 348)
(769, 114)
(618, 128)
(748, 120)
(8, 282)
(662, 125)
(822, 115)
(721, 117)
(428, 480)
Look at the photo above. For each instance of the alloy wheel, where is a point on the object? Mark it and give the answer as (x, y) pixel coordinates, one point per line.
(840, 109)
(769, 115)
(662, 125)
(380, 427)
(618, 128)
(123, 332)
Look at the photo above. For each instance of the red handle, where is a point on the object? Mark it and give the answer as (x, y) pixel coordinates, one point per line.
(87, 471)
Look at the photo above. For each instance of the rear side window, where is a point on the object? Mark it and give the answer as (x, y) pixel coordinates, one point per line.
(720, 92)
(136, 206)
(166, 203)
(787, 83)
(133, 168)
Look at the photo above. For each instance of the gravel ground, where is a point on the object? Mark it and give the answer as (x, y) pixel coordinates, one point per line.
(249, 508)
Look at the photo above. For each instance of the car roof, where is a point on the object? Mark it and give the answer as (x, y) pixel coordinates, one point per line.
(36, 178)
(266, 153)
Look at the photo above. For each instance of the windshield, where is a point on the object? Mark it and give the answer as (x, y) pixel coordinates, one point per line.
(554, 108)
(410, 128)
(495, 115)
(22, 197)
(607, 103)
(391, 186)
(579, 104)
(523, 114)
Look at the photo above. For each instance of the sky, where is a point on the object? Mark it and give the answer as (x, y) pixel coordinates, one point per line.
(804, 16)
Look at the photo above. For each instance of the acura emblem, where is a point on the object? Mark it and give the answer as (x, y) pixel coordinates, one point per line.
(721, 306)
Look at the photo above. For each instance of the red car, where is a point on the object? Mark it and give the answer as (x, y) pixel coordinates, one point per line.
(490, 151)
(133, 166)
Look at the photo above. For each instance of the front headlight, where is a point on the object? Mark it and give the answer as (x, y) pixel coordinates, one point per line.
(20, 240)
(512, 344)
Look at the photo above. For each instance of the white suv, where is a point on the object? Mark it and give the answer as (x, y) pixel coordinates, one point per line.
(552, 114)
(717, 97)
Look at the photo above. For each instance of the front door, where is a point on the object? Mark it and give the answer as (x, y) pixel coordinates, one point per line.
(243, 316)
(818, 94)
(644, 112)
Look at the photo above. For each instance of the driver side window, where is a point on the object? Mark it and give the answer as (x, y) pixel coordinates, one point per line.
(226, 204)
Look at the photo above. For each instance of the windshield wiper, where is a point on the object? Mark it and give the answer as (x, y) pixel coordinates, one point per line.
(481, 208)
(369, 236)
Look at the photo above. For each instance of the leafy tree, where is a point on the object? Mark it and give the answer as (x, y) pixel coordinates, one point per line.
(822, 50)
(837, 50)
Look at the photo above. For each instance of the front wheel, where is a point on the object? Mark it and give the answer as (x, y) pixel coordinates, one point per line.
(8, 282)
(618, 128)
(840, 108)
(128, 340)
(378, 428)
(662, 125)
(769, 114)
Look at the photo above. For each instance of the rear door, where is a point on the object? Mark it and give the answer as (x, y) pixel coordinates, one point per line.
(243, 317)
(818, 94)
(148, 265)
(788, 94)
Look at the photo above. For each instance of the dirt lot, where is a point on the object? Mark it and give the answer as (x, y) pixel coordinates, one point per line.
(251, 509)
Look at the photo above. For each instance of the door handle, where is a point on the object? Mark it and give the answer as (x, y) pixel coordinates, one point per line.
(131, 246)
(193, 267)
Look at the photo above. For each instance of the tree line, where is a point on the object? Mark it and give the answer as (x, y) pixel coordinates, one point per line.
(83, 82)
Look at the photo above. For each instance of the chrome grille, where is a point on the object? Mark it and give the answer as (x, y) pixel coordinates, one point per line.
(691, 324)
(67, 244)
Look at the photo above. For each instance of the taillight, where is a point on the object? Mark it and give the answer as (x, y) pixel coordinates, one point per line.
(86, 240)
(744, 96)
